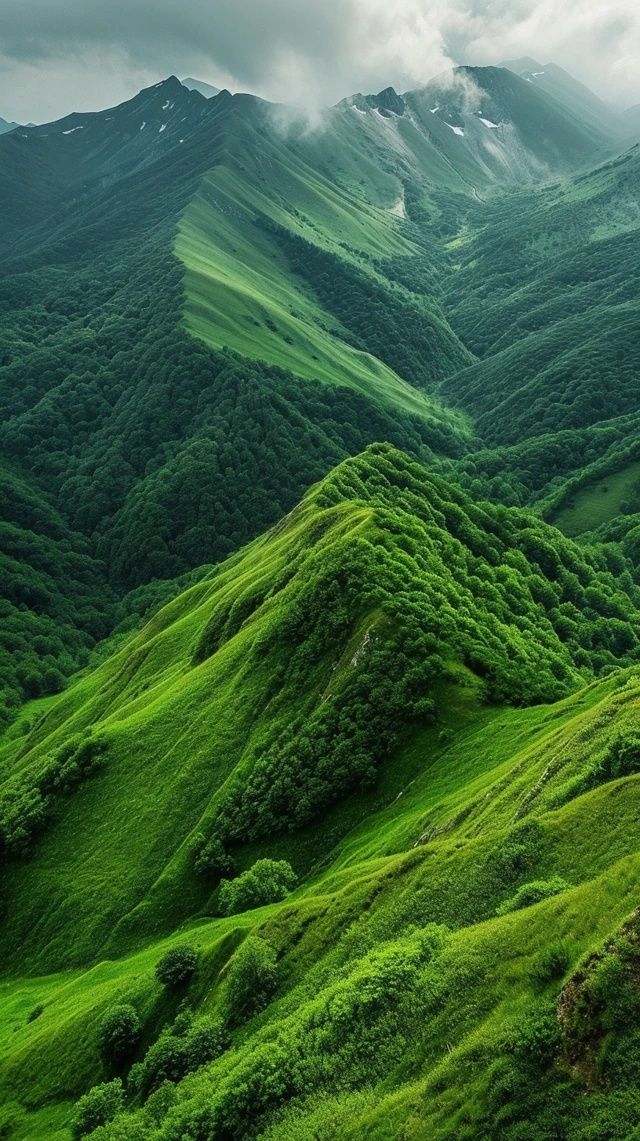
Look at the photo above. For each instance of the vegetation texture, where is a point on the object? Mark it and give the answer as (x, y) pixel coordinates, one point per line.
(320, 649)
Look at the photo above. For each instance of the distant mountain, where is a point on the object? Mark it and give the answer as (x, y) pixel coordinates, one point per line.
(6, 126)
(82, 147)
(510, 128)
(473, 128)
(577, 98)
(205, 89)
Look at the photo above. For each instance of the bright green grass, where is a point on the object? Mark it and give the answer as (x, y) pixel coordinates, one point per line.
(599, 501)
(110, 885)
(240, 292)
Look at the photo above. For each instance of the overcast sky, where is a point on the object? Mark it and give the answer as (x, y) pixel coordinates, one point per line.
(62, 55)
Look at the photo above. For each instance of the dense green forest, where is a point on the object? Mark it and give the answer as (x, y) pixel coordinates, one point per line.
(320, 652)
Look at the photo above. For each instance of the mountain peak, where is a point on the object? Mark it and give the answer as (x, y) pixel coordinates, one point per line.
(206, 89)
(387, 102)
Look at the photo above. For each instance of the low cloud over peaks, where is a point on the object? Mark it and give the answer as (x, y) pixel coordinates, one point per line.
(59, 55)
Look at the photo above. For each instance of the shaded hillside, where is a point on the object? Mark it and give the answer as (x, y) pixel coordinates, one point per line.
(545, 291)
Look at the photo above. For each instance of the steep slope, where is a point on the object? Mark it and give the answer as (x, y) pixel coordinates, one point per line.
(351, 693)
(474, 129)
(206, 89)
(314, 252)
(53, 169)
(578, 99)
(510, 129)
(143, 421)
(241, 291)
(545, 291)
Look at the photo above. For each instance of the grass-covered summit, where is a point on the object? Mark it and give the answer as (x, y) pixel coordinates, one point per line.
(356, 703)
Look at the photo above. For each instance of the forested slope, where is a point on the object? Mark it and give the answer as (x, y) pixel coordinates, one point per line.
(162, 452)
(360, 693)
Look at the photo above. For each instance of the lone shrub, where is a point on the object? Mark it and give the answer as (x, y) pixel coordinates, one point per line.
(212, 860)
(551, 963)
(177, 966)
(252, 980)
(119, 1033)
(98, 1107)
(268, 881)
(533, 892)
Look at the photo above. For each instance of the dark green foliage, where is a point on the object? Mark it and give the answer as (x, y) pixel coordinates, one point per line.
(251, 981)
(92, 334)
(407, 608)
(187, 1045)
(397, 327)
(517, 853)
(550, 964)
(119, 1034)
(437, 558)
(546, 294)
(623, 757)
(527, 1096)
(98, 1107)
(533, 892)
(54, 602)
(212, 860)
(176, 967)
(268, 881)
(28, 801)
(620, 759)
(348, 1036)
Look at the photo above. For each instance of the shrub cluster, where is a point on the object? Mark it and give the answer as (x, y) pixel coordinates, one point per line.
(98, 1107)
(27, 802)
(119, 1034)
(267, 881)
(183, 1048)
(177, 966)
(251, 981)
(534, 892)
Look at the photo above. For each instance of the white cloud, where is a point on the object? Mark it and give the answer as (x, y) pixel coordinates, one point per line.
(66, 54)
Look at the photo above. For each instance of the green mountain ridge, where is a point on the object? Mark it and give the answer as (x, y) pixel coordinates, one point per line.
(397, 654)
(319, 794)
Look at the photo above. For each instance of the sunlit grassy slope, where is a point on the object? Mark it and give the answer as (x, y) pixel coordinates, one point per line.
(495, 774)
(241, 291)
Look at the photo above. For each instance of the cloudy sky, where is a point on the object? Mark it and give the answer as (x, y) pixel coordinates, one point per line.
(63, 55)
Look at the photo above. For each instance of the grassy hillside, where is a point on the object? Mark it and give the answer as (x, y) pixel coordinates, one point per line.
(365, 693)
(241, 292)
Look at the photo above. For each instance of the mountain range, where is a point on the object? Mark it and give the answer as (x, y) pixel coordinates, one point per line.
(321, 586)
